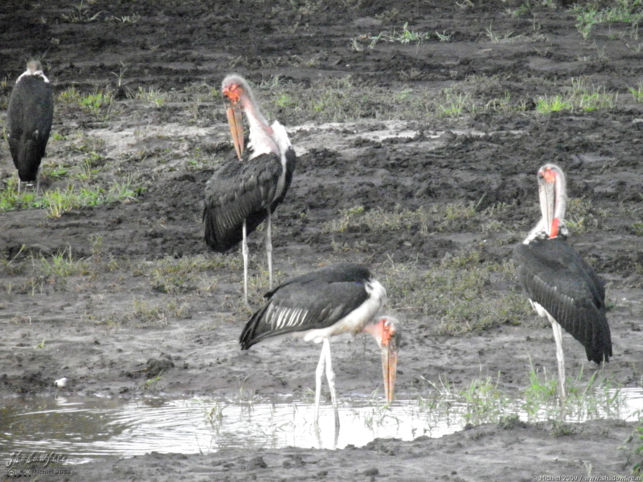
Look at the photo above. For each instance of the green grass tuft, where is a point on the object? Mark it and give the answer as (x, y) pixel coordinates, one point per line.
(579, 97)
(637, 92)
(96, 103)
(590, 14)
(61, 200)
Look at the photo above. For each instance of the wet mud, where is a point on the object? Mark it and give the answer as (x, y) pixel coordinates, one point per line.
(131, 321)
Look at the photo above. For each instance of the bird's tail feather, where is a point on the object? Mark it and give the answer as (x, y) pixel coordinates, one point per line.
(211, 235)
(249, 334)
(29, 161)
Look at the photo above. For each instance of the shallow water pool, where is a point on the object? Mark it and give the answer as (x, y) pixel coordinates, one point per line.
(85, 428)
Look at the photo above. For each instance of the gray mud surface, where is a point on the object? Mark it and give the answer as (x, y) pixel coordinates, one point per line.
(147, 311)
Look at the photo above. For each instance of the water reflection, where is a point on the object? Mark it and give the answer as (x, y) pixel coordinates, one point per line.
(88, 428)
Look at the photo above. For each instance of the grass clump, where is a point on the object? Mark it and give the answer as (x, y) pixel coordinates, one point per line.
(61, 200)
(637, 92)
(404, 36)
(484, 402)
(547, 105)
(637, 469)
(595, 399)
(455, 103)
(591, 13)
(147, 312)
(582, 217)
(11, 199)
(340, 100)
(60, 265)
(437, 218)
(95, 103)
(456, 291)
(580, 96)
(154, 96)
(186, 274)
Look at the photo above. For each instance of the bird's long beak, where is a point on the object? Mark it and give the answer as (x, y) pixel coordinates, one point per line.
(547, 193)
(389, 367)
(236, 128)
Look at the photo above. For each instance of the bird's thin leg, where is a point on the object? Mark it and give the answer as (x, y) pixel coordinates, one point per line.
(330, 376)
(269, 249)
(37, 183)
(244, 253)
(19, 185)
(560, 357)
(319, 372)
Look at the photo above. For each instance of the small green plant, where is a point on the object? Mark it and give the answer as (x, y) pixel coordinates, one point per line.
(404, 36)
(60, 265)
(408, 36)
(152, 95)
(484, 402)
(547, 105)
(637, 469)
(131, 19)
(582, 217)
(214, 416)
(562, 429)
(147, 313)
(80, 13)
(11, 199)
(69, 96)
(96, 101)
(56, 171)
(444, 36)
(495, 37)
(637, 92)
(151, 382)
(540, 393)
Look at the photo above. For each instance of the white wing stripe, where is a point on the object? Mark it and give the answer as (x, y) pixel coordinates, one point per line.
(280, 318)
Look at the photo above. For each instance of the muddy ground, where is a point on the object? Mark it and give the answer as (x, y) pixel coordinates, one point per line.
(138, 307)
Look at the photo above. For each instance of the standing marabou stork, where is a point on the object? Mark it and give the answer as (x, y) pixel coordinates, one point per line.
(31, 110)
(332, 300)
(242, 193)
(560, 285)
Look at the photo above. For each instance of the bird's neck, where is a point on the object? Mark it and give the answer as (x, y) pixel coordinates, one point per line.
(261, 135)
(33, 73)
(539, 231)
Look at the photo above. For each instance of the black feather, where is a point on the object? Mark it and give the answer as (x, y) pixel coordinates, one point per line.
(29, 117)
(323, 297)
(554, 275)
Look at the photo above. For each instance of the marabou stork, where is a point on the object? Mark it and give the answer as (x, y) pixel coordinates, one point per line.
(560, 285)
(330, 301)
(30, 112)
(242, 193)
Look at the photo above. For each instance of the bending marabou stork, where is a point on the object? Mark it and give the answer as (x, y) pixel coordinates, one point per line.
(560, 285)
(242, 193)
(330, 301)
(30, 112)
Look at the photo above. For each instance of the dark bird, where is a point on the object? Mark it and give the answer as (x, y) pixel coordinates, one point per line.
(242, 193)
(327, 302)
(560, 285)
(31, 110)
